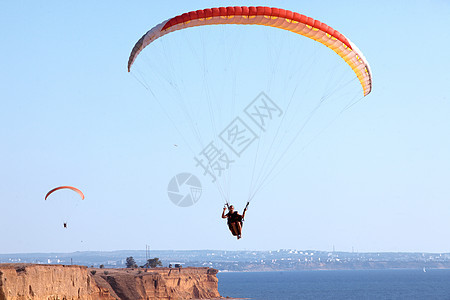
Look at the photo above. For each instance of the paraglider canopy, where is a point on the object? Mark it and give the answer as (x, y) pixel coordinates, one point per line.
(267, 16)
(65, 187)
(247, 100)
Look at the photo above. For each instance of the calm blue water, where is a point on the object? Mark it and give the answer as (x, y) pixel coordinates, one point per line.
(355, 284)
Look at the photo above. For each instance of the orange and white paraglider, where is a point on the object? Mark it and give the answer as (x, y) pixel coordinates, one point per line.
(247, 100)
(65, 187)
(266, 16)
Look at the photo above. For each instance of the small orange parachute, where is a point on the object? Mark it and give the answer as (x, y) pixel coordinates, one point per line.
(66, 187)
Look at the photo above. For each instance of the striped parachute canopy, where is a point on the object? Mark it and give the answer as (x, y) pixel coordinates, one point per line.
(267, 16)
(65, 187)
(247, 100)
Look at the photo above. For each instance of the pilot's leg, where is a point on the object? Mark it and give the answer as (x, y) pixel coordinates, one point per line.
(232, 227)
(239, 229)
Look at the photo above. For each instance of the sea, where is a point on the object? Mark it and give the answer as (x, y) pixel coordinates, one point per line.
(333, 284)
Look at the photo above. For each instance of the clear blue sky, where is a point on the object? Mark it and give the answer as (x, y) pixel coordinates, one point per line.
(376, 180)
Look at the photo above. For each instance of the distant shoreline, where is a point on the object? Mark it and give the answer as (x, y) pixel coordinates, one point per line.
(244, 261)
(325, 270)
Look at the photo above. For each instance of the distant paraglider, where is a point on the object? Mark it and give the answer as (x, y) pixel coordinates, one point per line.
(65, 187)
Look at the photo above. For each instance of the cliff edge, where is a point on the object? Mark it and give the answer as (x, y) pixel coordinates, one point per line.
(53, 282)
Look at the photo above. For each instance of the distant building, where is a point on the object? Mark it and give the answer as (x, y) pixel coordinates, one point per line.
(175, 265)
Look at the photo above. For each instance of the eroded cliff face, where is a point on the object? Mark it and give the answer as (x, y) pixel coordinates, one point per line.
(160, 283)
(57, 282)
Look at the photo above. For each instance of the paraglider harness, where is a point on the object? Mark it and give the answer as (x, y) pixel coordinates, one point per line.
(235, 218)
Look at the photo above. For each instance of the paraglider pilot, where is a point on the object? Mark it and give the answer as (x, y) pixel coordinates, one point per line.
(234, 220)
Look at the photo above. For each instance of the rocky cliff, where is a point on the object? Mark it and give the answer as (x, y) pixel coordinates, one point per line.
(55, 282)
